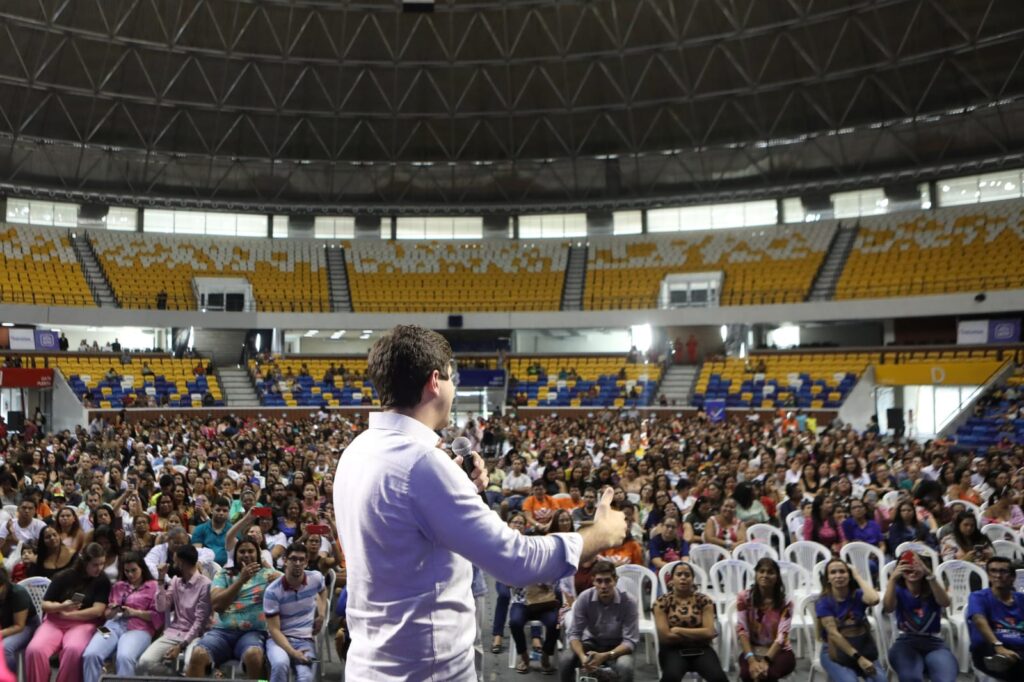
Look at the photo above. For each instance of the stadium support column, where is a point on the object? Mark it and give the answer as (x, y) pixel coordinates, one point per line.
(600, 223)
(368, 227)
(497, 226)
(780, 216)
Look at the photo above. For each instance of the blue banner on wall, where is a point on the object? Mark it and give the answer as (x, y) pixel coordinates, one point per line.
(1004, 331)
(47, 340)
(715, 410)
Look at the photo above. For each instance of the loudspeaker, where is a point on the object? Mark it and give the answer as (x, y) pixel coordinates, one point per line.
(16, 420)
(455, 321)
(894, 415)
(234, 303)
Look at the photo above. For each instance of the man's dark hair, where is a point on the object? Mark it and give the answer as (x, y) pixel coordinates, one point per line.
(188, 553)
(400, 362)
(166, 481)
(296, 547)
(992, 560)
(220, 501)
(603, 567)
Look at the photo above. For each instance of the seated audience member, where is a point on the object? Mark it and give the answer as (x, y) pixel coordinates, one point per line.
(539, 508)
(163, 553)
(25, 563)
(603, 630)
(906, 527)
(967, 542)
(848, 652)
(18, 618)
(584, 516)
(749, 509)
(821, 527)
(295, 605)
(725, 528)
(516, 486)
(666, 546)
(132, 620)
(517, 522)
(995, 619)
(536, 602)
(184, 596)
(53, 557)
(792, 503)
(917, 598)
(213, 533)
(859, 527)
(241, 628)
(1004, 508)
(25, 526)
(73, 605)
(763, 619)
(685, 620)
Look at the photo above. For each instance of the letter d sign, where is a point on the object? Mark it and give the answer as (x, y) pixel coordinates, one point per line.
(938, 375)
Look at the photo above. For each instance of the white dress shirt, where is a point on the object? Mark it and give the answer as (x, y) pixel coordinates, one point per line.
(158, 556)
(411, 523)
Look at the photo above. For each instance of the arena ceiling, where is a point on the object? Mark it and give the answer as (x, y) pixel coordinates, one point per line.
(501, 105)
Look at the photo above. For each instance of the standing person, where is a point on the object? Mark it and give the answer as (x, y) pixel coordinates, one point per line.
(74, 604)
(917, 598)
(849, 652)
(410, 612)
(18, 618)
(995, 619)
(763, 619)
(187, 598)
(132, 620)
(685, 620)
(691, 349)
(240, 632)
(296, 605)
(604, 628)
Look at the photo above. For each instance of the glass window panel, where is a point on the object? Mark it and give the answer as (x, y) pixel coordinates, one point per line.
(385, 228)
(846, 204)
(529, 227)
(926, 197)
(999, 186)
(627, 222)
(189, 222)
(957, 191)
(575, 225)
(792, 210)
(65, 215)
(123, 219)
(694, 218)
(157, 220)
(251, 225)
(663, 220)
(727, 215)
(220, 224)
(410, 228)
(760, 212)
(40, 212)
(468, 228)
(17, 210)
(280, 227)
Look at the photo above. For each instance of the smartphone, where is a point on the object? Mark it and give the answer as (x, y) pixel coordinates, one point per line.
(103, 631)
(262, 512)
(78, 597)
(317, 529)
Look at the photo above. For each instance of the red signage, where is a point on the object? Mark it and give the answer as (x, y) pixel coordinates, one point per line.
(14, 377)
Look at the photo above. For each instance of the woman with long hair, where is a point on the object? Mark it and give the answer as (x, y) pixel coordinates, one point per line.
(53, 556)
(849, 652)
(1004, 507)
(290, 519)
(696, 521)
(917, 598)
(685, 619)
(106, 538)
(967, 542)
(962, 489)
(763, 619)
(810, 480)
(164, 508)
(73, 605)
(132, 620)
(749, 509)
(725, 528)
(71, 533)
(18, 618)
(822, 527)
(906, 527)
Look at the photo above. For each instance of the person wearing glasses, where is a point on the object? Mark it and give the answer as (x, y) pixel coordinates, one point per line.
(295, 604)
(411, 612)
(995, 619)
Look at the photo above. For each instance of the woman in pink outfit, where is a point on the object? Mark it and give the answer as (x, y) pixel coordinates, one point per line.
(74, 604)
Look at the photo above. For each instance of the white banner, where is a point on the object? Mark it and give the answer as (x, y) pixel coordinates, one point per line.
(22, 339)
(969, 332)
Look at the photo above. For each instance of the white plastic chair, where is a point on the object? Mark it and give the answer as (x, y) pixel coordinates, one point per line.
(971, 507)
(639, 581)
(999, 531)
(859, 554)
(1011, 550)
(956, 576)
(728, 578)
(767, 533)
(707, 555)
(890, 498)
(810, 616)
(1018, 582)
(795, 524)
(797, 581)
(806, 553)
(321, 639)
(512, 653)
(921, 549)
(752, 552)
(36, 588)
(699, 576)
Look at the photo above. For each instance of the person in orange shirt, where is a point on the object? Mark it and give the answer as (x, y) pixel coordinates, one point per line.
(574, 501)
(539, 507)
(629, 552)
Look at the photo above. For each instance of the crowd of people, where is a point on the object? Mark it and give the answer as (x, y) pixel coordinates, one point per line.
(174, 536)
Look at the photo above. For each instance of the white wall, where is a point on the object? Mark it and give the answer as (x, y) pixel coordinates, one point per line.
(342, 346)
(130, 337)
(859, 405)
(68, 411)
(583, 341)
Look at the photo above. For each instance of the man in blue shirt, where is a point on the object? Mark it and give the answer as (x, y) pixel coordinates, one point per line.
(295, 605)
(213, 534)
(995, 618)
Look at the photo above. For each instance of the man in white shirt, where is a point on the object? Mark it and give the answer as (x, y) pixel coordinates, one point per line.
(23, 527)
(412, 525)
(162, 554)
(516, 486)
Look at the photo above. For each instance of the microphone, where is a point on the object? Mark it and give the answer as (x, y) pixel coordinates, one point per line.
(464, 449)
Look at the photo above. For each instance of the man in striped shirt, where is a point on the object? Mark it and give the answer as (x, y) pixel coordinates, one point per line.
(295, 605)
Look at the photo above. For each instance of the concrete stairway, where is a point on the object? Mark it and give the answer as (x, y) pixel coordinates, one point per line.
(94, 276)
(824, 287)
(575, 278)
(237, 387)
(337, 280)
(677, 384)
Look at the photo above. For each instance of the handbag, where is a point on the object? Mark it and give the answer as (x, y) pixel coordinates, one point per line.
(540, 597)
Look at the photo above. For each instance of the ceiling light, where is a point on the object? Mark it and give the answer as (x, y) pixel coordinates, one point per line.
(364, 337)
(367, 331)
(8, 324)
(338, 334)
(312, 332)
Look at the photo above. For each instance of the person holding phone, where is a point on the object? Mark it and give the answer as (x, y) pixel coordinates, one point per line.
(73, 605)
(132, 620)
(213, 533)
(917, 598)
(296, 606)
